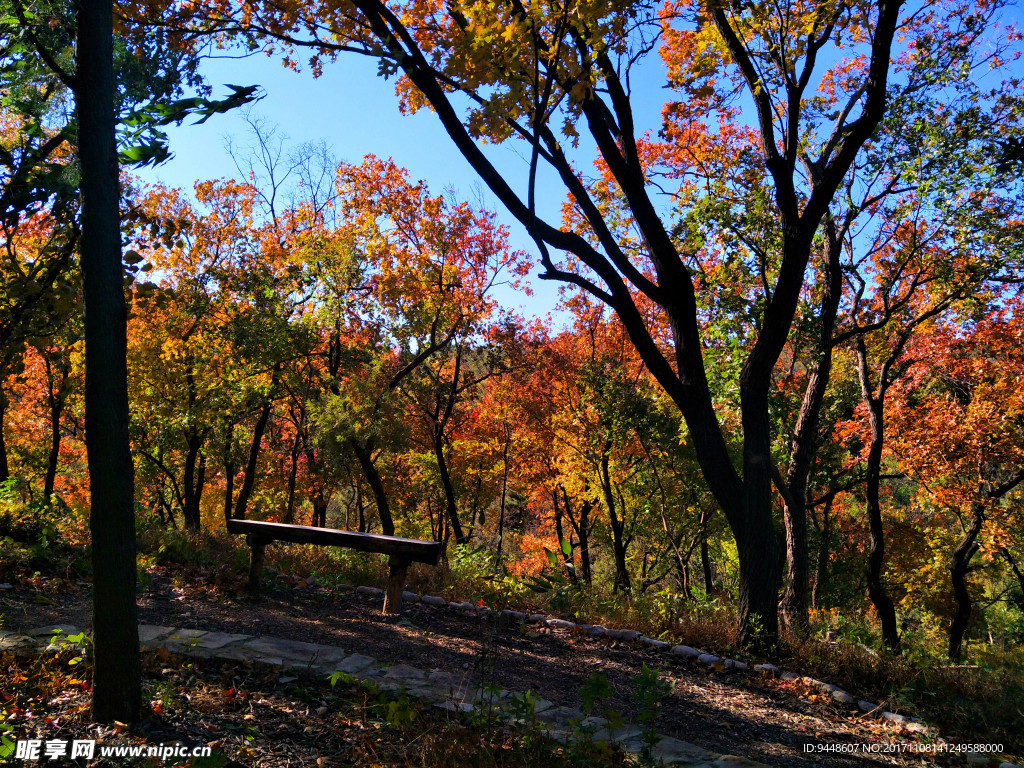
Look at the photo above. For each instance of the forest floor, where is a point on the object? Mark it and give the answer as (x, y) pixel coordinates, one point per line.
(770, 721)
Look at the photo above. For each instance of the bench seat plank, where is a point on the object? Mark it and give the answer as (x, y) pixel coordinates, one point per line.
(413, 550)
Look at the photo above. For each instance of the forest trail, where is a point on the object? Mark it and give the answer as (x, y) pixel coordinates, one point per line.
(721, 713)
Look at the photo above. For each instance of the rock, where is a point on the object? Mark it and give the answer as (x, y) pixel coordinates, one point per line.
(410, 597)
(787, 675)
(457, 606)
(671, 750)
(687, 652)
(622, 634)
(561, 624)
(151, 635)
(1008, 765)
(537, 618)
(369, 591)
(594, 630)
(735, 761)
(892, 717)
(768, 670)
(866, 706)
(740, 666)
(511, 615)
(433, 600)
(843, 697)
(5, 585)
(707, 658)
(651, 642)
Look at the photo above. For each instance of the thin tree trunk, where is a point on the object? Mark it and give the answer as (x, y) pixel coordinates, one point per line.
(805, 442)
(364, 454)
(5, 470)
(959, 567)
(622, 581)
(876, 557)
(116, 669)
(705, 565)
(193, 485)
(249, 477)
(449, 490)
(824, 550)
(57, 399)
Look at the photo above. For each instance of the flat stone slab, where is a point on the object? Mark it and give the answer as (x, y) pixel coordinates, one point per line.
(561, 624)
(405, 673)
(293, 650)
(370, 591)
(150, 634)
(355, 664)
(213, 641)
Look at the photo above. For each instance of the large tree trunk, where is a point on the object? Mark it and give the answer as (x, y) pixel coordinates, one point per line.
(116, 670)
(364, 454)
(959, 567)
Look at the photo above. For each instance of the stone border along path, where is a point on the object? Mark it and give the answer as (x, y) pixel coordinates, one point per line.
(438, 689)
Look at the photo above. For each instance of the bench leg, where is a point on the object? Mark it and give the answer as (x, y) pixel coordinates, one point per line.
(256, 554)
(396, 584)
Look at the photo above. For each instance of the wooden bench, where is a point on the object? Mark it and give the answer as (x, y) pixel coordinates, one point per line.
(402, 552)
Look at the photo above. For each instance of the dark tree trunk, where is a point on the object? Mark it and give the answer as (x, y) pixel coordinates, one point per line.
(5, 470)
(194, 477)
(705, 565)
(622, 581)
(249, 477)
(229, 469)
(582, 528)
(364, 454)
(116, 670)
(56, 397)
(959, 567)
(451, 508)
(570, 567)
(824, 550)
(805, 437)
(876, 557)
(289, 513)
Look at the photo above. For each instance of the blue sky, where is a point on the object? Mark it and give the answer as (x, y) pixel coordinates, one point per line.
(356, 112)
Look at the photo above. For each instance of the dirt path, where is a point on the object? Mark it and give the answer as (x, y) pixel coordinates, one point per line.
(725, 713)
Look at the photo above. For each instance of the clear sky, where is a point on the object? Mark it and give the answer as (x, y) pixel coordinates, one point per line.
(356, 112)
